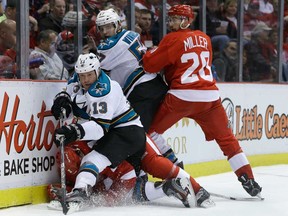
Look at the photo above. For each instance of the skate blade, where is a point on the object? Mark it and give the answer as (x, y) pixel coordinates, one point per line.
(208, 203)
(54, 205)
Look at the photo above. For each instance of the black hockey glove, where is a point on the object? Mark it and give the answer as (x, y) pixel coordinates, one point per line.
(61, 101)
(68, 133)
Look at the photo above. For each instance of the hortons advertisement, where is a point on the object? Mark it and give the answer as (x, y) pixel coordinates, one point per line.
(26, 129)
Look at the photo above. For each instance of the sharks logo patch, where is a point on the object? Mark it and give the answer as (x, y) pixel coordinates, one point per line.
(100, 88)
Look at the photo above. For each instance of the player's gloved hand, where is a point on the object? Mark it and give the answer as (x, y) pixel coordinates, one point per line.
(69, 133)
(61, 101)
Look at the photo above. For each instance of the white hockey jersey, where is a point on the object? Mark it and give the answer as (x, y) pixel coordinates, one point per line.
(120, 55)
(103, 106)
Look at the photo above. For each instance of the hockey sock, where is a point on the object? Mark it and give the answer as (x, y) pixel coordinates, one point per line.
(183, 174)
(240, 164)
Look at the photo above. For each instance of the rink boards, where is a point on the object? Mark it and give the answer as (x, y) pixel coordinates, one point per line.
(258, 115)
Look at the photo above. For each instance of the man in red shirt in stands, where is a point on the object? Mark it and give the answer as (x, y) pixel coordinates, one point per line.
(186, 56)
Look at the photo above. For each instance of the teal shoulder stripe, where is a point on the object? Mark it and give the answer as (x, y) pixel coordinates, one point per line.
(101, 87)
(139, 72)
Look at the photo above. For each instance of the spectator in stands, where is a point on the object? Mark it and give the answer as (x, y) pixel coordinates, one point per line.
(137, 17)
(225, 62)
(271, 19)
(39, 9)
(260, 55)
(285, 33)
(245, 69)
(50, 65)
(265, 6)
(151, 5)
(144, 23)
(121, 6)
(90, 9)
(10, 11)
(246, 5)
(53, 20)
(230, 15)
(251, 17)
(33, 31)
(216, 29)
(69, 23)
(274, 40)
(1, 8)
(7, 68)
(285, 60)
(285, 21)
(8, 38)
(65, 50)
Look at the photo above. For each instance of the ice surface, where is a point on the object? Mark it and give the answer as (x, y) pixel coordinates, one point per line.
(273, 179)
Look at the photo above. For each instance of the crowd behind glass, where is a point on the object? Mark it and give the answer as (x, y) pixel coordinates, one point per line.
(54, 29)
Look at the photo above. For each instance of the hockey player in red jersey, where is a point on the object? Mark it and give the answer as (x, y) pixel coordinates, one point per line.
(112, 186)
(186, 57)
(120, 185)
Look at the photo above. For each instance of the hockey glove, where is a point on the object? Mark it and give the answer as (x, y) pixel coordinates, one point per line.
(68, 133)
(61, 101)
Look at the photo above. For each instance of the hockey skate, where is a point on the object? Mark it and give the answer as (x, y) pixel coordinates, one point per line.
(79, 199)
(203, 199)
(182, 190)
(250, 185)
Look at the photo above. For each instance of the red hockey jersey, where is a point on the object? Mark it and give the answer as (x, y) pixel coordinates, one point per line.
(185, 57)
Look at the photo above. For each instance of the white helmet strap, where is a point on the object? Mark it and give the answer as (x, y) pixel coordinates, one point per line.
(182, 23)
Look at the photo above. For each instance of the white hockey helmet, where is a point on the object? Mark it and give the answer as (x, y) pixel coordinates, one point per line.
(108, 16)
(86, 63)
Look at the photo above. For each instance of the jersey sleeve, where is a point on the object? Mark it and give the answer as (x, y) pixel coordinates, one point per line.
(164, 55)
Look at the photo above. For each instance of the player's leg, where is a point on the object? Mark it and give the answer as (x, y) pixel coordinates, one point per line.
(146, 97)
(162, 168)
(169, 112)
(214, 123)
(116, 146)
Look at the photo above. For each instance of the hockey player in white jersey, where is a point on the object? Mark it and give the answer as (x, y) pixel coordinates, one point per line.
(120, 55)
(106, 116)
(115, 128)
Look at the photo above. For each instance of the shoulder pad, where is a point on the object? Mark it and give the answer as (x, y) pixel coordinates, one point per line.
(101, 87)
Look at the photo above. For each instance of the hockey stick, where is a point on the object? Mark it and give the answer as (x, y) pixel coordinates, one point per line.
(237, 198)
(62, 171)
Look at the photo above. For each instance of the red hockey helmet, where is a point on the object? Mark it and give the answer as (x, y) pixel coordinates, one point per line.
(181, 10)
(72, 163)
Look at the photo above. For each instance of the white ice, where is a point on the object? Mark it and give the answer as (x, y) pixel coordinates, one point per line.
(273, 179)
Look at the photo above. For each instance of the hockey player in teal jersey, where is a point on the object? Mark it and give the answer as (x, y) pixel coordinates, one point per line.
(120, 55)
